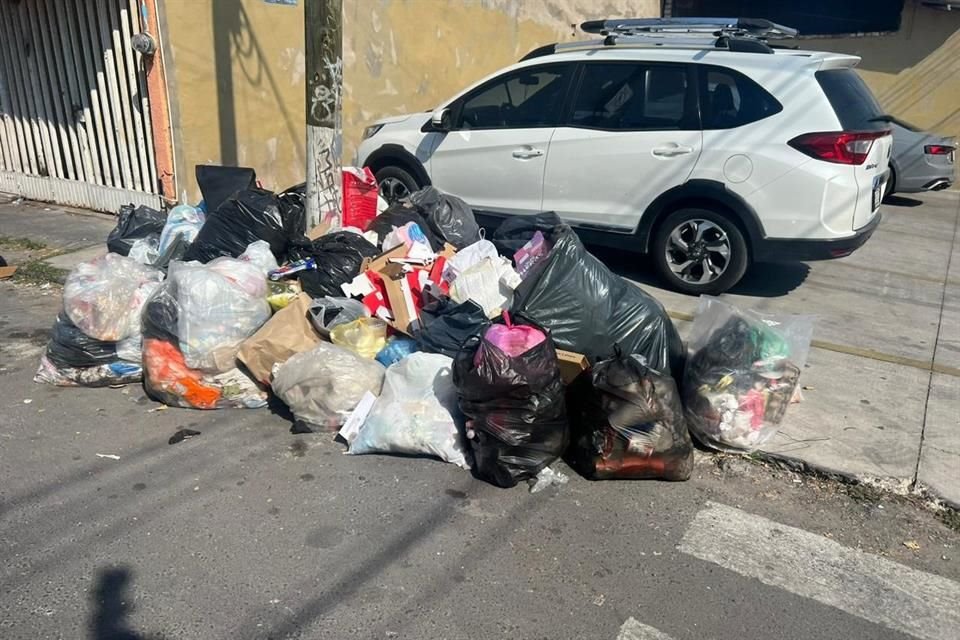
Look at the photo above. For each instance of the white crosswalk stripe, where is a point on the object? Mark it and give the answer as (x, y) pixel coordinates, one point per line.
(633, 630)
(920, 604)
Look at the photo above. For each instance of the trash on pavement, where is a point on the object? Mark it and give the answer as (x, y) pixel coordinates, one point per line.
(307, 264)
(571, 365)
(338, 256)
(514, 402)
(6, 271)
(489, 283)
(742, 372)
(547, 478)
(468, 257)
(626, 421)
(218, 183)
(445, 326)
(135, 223)
(287, 333)
(364, 336)
(415, 412)
(183, 224)
(181, 435)
(103, 297)
(322, 386)
(397, 215)
(102, 375)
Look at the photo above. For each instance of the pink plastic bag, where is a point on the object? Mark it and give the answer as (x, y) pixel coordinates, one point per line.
(511, 339)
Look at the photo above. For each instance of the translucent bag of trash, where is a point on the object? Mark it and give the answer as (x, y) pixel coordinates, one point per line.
(323, 386)
(468, 257)
(104, 297)
(183, 220)
(415, 413)
(145, 250)
(103, 375)
(743, 369)
(365, 336)
(221, 304)
(328, 312)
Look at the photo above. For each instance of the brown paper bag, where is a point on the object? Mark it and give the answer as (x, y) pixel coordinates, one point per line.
(288, 332)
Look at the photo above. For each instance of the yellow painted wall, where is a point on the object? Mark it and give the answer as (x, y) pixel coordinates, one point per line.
(238, 68)
(238, 80)
(402, 56)
(914, 73)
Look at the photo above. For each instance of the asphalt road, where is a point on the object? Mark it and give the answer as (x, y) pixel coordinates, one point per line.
(247, 531)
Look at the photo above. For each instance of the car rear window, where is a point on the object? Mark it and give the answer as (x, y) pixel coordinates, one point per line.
(851, 100)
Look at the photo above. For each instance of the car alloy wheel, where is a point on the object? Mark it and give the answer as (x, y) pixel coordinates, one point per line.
(393, 189)
(698, 251)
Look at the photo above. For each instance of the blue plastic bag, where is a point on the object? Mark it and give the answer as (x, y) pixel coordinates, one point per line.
(396, 350)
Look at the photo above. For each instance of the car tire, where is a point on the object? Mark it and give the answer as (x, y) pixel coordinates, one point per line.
(891, 185)
(395, 183)
(692, 242)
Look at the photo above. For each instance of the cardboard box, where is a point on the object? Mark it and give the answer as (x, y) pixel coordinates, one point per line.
(571, 365)
(320, 230)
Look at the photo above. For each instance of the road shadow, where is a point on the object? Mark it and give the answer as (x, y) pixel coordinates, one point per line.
(111, 604)
(762, 280)
(901, 201)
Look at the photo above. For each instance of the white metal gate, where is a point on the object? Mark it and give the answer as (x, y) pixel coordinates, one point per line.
(74, 111)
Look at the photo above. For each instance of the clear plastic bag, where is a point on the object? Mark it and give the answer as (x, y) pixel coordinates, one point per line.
(322, 386)
(104, 375)
(328, 312)
(145, 250)
(364, 336)
(220, 305)
(743, 370)
(415, 413)
(104, 297)
(183, 220)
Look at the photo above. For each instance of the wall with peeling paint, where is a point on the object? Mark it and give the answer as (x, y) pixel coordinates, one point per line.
(915, 73)
(402, 56)
(238, 82)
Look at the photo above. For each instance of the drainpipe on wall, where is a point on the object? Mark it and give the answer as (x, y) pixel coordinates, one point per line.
(324, 53)
(148, 43)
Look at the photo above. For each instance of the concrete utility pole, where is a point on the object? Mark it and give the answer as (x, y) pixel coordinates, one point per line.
(324, 53)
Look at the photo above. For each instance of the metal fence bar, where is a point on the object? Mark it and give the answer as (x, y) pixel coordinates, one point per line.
(113, 94)
(46, 119)
(21, 123)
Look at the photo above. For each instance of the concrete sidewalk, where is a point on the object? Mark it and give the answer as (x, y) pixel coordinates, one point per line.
(882, 398)
(882, 385)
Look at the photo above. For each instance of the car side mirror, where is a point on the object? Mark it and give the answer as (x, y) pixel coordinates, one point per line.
(442, 120)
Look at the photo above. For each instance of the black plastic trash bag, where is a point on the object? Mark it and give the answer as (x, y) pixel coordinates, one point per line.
(449, 217)
(338, 256)
(293, 210)
(397, 215)
(248, 216)
(445, 326)
(517, 423)
(134, 224)
(627, 422)
(517, 231)
(588, 308)
(71, 347)
(218, 183)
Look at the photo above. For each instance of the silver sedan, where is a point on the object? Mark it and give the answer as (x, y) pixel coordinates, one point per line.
(921, 161)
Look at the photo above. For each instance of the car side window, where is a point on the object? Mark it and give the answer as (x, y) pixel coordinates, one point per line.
(519, 100)
(633, 97)
(730, 99)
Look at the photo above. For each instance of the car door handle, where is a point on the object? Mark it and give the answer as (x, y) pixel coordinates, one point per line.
(525, 153)
(671, 150)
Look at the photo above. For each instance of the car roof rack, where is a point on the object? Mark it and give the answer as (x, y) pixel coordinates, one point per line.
(744, 35)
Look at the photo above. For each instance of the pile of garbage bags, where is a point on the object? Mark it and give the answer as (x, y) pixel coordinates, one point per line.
(416, 335)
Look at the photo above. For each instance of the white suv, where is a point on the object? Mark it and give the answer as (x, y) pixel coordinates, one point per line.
(707, 149)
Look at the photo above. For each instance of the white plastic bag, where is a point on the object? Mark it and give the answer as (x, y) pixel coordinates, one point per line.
(145, 250)
(415, 412)
(103, 297)
(322, 386)
(467, 257)
(489, 283)
(259, 255)
(743, 370)
(221, 304)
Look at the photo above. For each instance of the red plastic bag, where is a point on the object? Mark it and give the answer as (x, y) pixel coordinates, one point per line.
(359, 197)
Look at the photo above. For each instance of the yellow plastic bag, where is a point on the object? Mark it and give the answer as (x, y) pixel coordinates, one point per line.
(365, 336)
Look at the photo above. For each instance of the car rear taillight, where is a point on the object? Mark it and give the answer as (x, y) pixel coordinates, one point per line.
(938, 150)
(841, 147)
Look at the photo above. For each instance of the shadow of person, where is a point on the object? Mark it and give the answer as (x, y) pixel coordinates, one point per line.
(110, 604)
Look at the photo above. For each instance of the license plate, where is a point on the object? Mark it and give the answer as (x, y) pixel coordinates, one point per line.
(877, 192)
